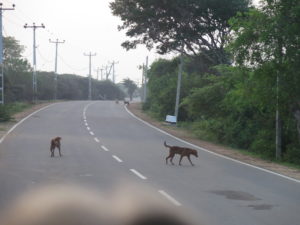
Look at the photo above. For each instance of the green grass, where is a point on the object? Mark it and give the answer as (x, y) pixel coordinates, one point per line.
(8, 110)
(18, 107)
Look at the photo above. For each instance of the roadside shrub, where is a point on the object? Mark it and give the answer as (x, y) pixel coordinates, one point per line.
(264, 143)
(4, 113)
(292, 154)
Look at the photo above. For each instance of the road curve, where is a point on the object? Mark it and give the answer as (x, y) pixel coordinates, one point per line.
(103, 145)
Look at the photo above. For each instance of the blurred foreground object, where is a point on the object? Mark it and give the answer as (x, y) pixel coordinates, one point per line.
(69, 205)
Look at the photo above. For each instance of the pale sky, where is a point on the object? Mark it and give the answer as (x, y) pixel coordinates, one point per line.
(86, 26)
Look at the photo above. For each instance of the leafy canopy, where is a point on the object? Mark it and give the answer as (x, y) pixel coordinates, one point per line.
(199, 25)
(130, 86)
(12, 55)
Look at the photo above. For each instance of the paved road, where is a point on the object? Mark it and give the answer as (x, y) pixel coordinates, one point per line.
(103, 144)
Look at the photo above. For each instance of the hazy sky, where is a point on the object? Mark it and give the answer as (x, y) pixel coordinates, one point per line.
(86, 26)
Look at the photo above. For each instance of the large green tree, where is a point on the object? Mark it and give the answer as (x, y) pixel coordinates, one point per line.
(200, 25)
(12, 56)
(267, 40)
(130, 86)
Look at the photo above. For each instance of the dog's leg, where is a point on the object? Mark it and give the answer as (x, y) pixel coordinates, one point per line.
(59, 151)
(190, 160)
(172, 159)
(181, 156)
(169, 156)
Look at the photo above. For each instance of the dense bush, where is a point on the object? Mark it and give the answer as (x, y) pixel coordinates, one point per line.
(236, 105)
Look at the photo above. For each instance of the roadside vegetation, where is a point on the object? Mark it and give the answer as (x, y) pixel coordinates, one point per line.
(18, 92)
(240, 66)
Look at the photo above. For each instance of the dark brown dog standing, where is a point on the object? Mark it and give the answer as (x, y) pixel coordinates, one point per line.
(55, 143)
(181, 151)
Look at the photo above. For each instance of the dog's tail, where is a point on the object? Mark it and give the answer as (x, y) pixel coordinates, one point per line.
(167, 146)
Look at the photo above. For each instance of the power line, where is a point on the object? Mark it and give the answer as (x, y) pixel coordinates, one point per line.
(69, 66)
(45, 59)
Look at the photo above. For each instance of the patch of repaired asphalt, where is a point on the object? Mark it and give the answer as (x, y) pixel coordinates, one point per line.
(236, 195)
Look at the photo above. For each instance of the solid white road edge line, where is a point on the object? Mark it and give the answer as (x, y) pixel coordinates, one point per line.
(117, 158)
(205, 150)
(171, 199)
(138, 174)
(21, 121)
(104, 148)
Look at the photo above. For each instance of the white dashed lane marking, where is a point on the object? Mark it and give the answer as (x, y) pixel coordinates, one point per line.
(171, 199)
(138, 174)
(117, 158)
(141, 176)
(104, 148)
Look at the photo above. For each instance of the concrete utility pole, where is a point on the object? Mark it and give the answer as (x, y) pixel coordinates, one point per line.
(1, 53)
(108, 72)
(90, 73)
(34, 80)
(113, 68)
(55, 66)
(102, 72)
(178, 87)
(143, 82)
(97, 71)
(145, 79)
(278, 140)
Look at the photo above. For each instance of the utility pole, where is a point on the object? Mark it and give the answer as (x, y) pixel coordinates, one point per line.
(278, 138)
(178, 87)
(145, 79)
(1, 53)
(102, 72)
(108, 72)
(34, 79)
(113, 68)
(55, 66)
(143, 82)
(97, 70)
(90, 73)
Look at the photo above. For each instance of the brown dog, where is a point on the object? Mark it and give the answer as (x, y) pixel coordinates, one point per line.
(55, 143)
(181, 151)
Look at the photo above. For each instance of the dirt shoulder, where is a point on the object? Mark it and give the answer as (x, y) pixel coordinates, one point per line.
(5, 126)
(135, 108)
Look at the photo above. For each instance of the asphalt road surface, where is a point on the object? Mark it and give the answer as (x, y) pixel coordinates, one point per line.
(103, 145)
